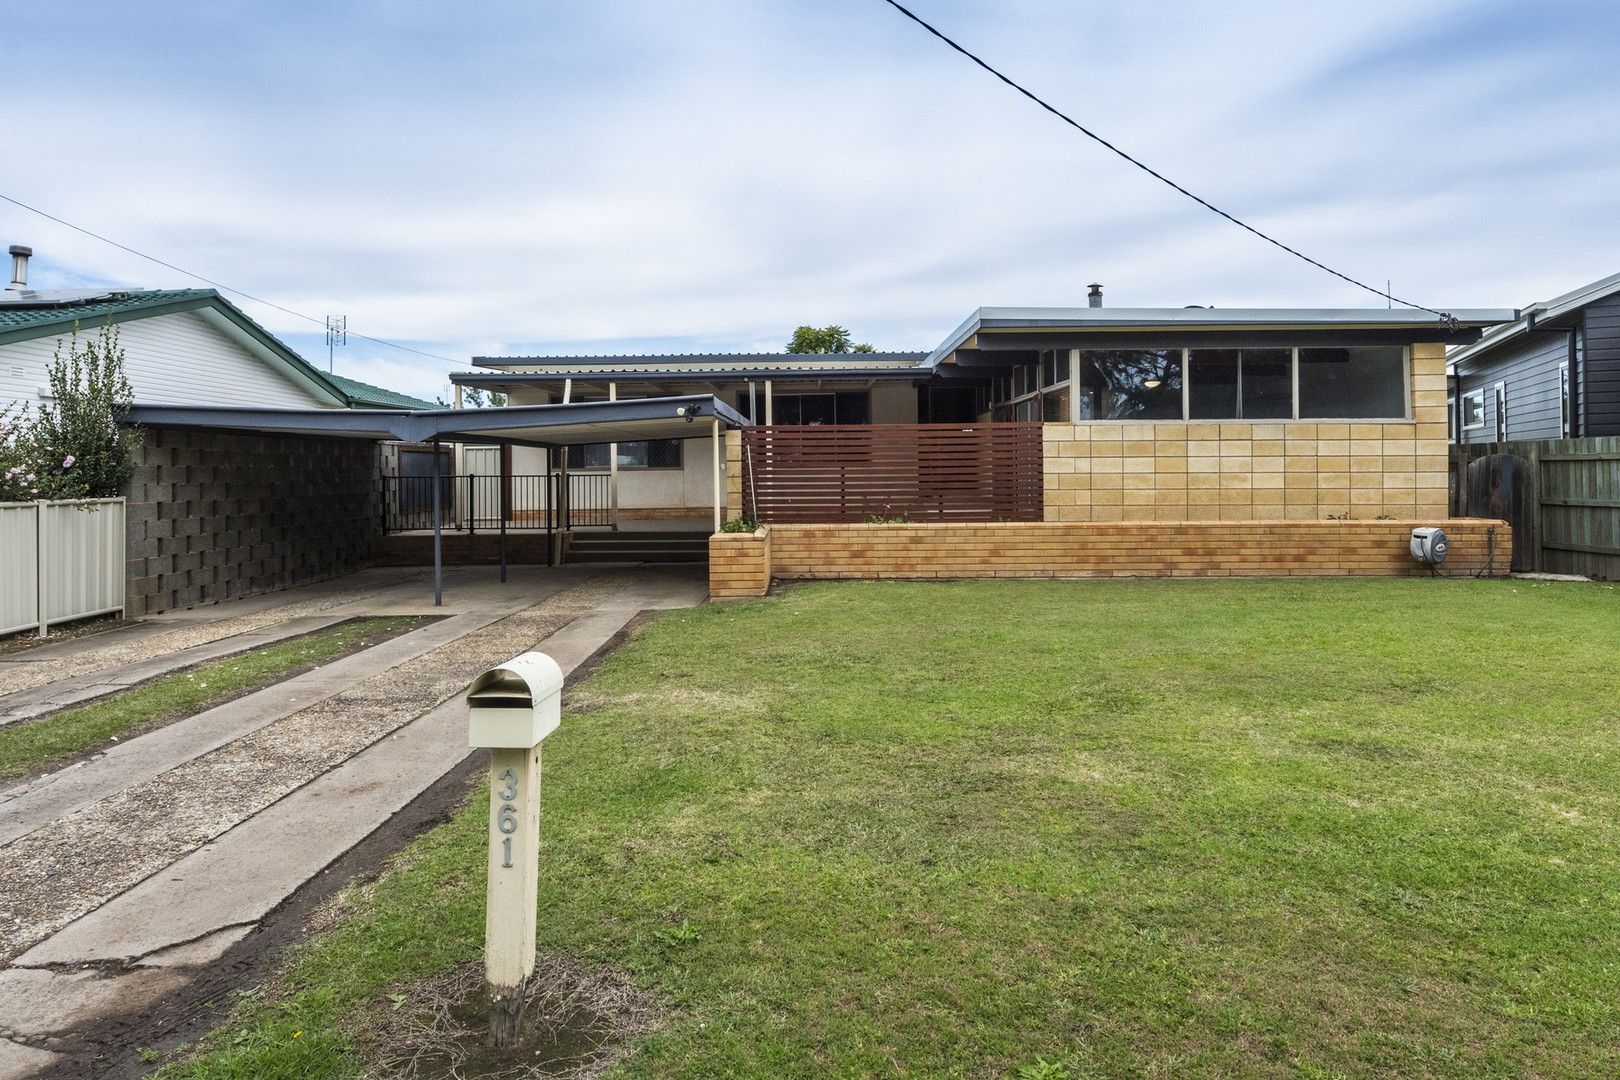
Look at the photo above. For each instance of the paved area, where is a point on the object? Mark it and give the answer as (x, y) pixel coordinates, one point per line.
(125, 876)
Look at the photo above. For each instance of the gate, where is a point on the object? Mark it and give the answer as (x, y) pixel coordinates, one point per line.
(1564, 494)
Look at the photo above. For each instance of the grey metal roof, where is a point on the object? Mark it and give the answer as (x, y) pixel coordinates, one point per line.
(1540, 311)
(626, 362)
(1201, 318)
(540, 425)
(703, 375)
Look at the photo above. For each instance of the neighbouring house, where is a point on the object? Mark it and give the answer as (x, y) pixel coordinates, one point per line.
(1156, 414)
(210, 513)
(1551, 373)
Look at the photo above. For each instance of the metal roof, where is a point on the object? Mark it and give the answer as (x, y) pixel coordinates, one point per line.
(30, 313)
(1084, 319)
(538, 425)
(366, 395)
(678, 361)
(1539, 312)
(498, 379)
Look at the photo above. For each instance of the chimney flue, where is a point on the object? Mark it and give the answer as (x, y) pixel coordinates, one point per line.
(19, 267)
(1094, 297)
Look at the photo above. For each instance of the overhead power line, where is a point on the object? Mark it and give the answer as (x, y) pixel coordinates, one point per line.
(1206, 204)
(222, 287)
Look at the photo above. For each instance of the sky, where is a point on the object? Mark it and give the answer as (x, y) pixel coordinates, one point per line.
(656, 176)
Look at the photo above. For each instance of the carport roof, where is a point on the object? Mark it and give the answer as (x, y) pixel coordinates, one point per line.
(541, 425)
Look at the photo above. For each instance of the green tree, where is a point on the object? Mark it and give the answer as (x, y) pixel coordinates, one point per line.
(825, 339)
(81, 450)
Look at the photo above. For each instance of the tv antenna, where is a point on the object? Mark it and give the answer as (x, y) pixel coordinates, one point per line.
(337, 333)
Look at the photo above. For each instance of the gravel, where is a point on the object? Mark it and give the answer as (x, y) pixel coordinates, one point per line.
(63, 870)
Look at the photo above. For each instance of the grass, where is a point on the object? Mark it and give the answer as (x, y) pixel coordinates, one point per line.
(1297, 828)
(31, 745)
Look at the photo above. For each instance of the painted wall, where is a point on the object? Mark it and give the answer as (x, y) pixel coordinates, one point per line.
(1241, 471)
(177, 359)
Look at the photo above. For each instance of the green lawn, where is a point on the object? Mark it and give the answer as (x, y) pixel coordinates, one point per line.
(1301, 828)
(34, 744)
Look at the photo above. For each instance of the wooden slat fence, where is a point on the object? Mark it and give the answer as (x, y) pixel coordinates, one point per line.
(1568, 491)
(923, 472)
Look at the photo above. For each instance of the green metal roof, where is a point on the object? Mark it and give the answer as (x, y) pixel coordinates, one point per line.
(26, 317)
(367, 396)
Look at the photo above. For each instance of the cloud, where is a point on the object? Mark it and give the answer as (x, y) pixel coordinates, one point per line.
(630, 175)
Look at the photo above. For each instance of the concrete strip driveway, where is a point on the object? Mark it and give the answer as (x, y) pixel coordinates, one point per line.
(162, 875)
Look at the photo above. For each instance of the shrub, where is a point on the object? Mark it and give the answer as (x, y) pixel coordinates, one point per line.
(18, 480)
(79, 449)
(740, 525)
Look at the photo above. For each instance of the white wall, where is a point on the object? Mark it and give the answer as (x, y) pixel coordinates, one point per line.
(177, 359)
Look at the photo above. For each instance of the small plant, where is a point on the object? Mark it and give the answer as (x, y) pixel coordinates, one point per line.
(147, 1055)
(740, 525)
(1041, 1069)
(886, 519)
(1346, 516)
(673, 936)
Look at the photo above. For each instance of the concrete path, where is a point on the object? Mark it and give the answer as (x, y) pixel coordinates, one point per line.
(167, 916)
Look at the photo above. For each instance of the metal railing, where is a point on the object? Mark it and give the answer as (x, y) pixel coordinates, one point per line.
(475, 503)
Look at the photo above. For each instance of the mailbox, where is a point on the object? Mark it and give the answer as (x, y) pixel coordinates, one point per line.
(516, 705)
(511, 709)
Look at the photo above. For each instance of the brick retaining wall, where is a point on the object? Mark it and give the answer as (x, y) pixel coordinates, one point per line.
(215, 515)
(1097, 549)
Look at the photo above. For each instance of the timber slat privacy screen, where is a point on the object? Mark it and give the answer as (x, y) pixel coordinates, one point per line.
(923, 472)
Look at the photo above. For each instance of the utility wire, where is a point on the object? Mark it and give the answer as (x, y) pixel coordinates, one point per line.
(210, 281)
(1445, 316)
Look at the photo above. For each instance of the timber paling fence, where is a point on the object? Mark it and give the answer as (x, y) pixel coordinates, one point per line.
(62, 560)
(1562, 497)
(921, 472)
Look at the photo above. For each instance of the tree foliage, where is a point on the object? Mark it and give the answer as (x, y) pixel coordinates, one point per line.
(78, 448)
(825, 339)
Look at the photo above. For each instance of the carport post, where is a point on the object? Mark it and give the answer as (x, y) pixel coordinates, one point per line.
(438, 563)
(719, 493)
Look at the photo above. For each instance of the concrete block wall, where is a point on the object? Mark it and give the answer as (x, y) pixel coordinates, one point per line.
(214, 515)
(1242, 471)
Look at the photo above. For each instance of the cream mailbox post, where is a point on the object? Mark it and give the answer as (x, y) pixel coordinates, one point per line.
(510, 710)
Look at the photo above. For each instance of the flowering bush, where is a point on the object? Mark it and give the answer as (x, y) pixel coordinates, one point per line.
(80, 450)
(18, 480)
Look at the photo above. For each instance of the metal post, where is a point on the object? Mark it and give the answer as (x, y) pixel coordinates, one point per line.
(719, 492)
(41, 589)
(472, 504)
(438, 555)
(613, 465)
(1074, 386)
(500, 499)
(551, 508)
(769, 418)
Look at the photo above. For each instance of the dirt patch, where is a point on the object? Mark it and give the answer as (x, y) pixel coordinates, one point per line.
(24, 641)
(578, 1023)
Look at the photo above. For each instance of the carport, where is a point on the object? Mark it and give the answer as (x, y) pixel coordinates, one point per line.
(550, 427)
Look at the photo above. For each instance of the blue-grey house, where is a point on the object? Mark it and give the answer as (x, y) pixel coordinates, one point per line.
(1552, 373)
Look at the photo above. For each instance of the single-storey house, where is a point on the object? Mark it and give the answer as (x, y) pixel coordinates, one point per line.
(211, 514)
(1156, 414)
(1551, 373)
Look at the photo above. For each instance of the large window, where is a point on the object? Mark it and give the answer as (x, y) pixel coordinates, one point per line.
(1240, 384)
(1131, 384)
(1356, 383)
(851, 407)
(1352, 384)
(656, 454)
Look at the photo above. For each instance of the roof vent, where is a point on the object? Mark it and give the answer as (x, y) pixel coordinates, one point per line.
(1094, 297)
(19, 267)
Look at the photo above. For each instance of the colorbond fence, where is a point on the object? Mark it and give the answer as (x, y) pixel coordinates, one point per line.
(62, 561)
(1562, 495)
(923, 472)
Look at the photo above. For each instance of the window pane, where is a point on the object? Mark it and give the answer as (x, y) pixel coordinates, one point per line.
(1130, 384)
(1268, 384)
(589, 456)
(1473, 409)
(1055, 405)
(632, 455)
(1050, 365)
(853, 407)
(664, 454)
(1351, 383)
(1212, 384)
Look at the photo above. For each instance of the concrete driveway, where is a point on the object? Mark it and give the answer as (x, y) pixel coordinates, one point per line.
(138, 886)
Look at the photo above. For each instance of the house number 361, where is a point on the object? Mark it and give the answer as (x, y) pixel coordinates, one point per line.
(506, 820)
